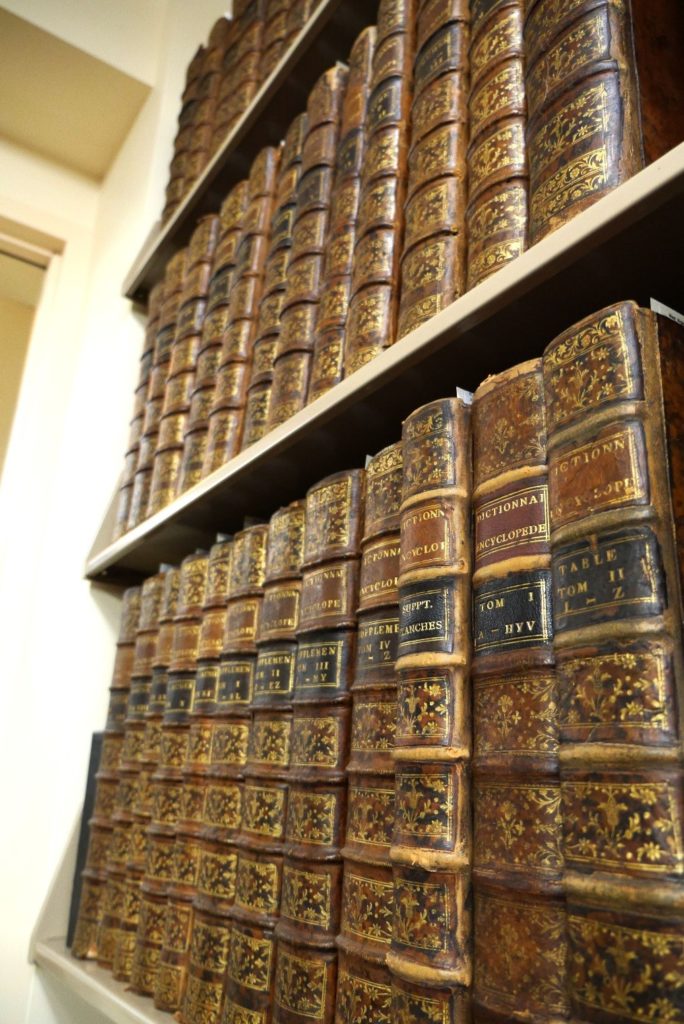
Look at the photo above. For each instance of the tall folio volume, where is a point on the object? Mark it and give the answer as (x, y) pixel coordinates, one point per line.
(430, 955)
(614, 388)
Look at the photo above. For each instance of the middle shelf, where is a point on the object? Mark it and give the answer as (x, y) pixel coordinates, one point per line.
(628, 245)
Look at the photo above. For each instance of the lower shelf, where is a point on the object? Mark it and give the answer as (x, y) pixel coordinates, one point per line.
(96, 986)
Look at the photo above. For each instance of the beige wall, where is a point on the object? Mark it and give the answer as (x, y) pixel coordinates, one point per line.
(61, 469)
(15, 330)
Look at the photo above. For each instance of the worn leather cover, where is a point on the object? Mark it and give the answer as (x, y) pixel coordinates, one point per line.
(431, 843)
(613, 391)
(517, 856)
(372, 318)
(597, 77)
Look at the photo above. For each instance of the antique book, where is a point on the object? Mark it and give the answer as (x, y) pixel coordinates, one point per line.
(430, 956)
(214, 334)
(239, 73)
(258, 880)
(227, 409)
(180, 382)
(614, 392)
(433, 261)
(306, 958)
(364, 982)
(128, 844)
(148, 937)
(154, 400)
(372, 318)
(294, 347)
(605, 97)
(327, 365)
(94, 876)
(257, 409)
(197, 988)
(256, 876)
(167, 864)
(517, 820)
(175, 187)
(498, 183)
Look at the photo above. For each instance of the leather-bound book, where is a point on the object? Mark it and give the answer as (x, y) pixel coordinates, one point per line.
(180, 383)
(131, 457)
(275, 34)
(605, 97)
(152, 894)
(298, 14)
(197, 783)
(257, 409)
(294, 348)
(152, 409)
(227, 410)
(327, 364)
(433, 262)
(101, 826)
(364, 983)
(129, 840)
(175, 188)
(430, 956)
(517, 855)
(168, 780)
(497, 155)
(614, 391)
(121, 787)
(306, 961)
(201, 133)
(372, 317)
(215, 332)
(260, 844)
(240, 71)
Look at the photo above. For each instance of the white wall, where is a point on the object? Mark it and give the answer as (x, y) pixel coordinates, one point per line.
(63, 460)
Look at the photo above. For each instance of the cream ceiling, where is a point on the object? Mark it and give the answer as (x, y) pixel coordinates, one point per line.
(61, 102)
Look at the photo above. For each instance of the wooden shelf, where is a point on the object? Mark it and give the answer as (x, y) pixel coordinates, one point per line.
(96, 986)
(327, 37)
(628, 245)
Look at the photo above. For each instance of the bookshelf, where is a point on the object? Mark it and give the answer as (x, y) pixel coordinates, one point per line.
(627, 245)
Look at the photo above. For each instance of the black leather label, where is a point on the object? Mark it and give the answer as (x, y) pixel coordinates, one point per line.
(425, 617)
(274, 676)
(324, 664)
(236, 680)
(206, 684)
(513, 612)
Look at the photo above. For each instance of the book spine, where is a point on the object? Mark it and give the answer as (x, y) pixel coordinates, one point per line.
(128, 848)
(294, 348)
(517, 854)
(176, 866)
(275, 35)
(327, 362)
(149, 931)
(195, 986)
(433, 262)
(613, 391)
(101, 825)
(364, 982)
(584, 134)
(176, 187)
(180, 382)
(150, 402)
(225, 421)
(260, 844)
(498, 179)
(430, 956)
(306, 957)
(372, 318)
(258, 407)
(239, 72)
(154, 399)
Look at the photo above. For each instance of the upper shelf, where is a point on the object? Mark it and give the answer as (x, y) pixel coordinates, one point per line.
(628, 245)
(326, 38)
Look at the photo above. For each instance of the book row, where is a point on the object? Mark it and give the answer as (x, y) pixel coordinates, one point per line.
(411, 752)
(459, 134)
(222, 80)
